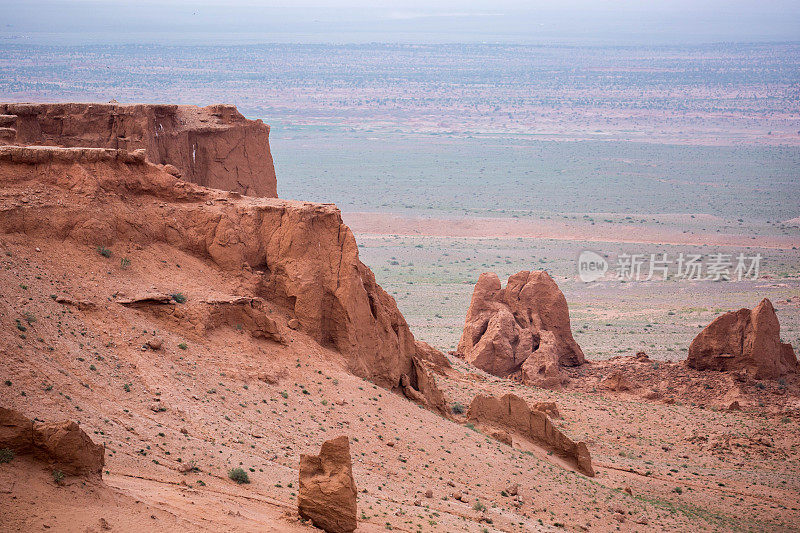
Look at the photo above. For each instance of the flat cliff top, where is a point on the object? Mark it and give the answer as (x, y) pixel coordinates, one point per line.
(214, 146)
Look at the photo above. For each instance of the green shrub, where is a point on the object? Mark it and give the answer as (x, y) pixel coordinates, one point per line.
(105, 252)
(457, 408)
(238, 475)
(179, 297)
(6, 455)
(58, 477)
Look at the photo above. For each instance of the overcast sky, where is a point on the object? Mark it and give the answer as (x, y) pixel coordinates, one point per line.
(536, 21)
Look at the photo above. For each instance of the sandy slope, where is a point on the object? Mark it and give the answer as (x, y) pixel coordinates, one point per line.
(212, 391)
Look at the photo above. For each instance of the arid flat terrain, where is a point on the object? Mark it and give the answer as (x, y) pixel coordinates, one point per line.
(714, 94)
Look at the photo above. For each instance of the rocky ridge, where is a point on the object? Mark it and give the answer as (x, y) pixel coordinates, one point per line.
(64, 445)
(296, 261)
(512, 414)
(213, 146)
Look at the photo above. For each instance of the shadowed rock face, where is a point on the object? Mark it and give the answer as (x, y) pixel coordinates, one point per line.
(744, 340)
(214, 146)
(420, 386)
(520, 331)
(511, 413)
(63, 444)
(297, 256)
(327, 494)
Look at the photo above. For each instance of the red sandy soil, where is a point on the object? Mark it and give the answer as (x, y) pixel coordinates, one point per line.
(203, 391)
(176, 419)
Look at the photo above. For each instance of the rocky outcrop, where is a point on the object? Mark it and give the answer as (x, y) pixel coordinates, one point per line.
(616, 382)
(549, 408)
(16, 431)
(251, 314)
(521, 331)
(744, 341)
(434, 358)
(214, 146)
(327, 494)
(297, 256)
(62, 444)
(511, 414)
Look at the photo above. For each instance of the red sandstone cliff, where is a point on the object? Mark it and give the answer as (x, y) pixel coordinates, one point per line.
(297, 263)
(213, 146)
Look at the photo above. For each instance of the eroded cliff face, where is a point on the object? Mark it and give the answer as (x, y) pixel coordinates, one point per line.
(296, 256)
(213, 146)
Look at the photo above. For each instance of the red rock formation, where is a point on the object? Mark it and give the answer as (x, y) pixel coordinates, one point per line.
(520, 331)
(297, 256)
(16, 431)
(744, 340)
(616, 382)
(62, 444)
(436, 359)
(502, 436)
(214, 146)
(327, 494)
(512, 414)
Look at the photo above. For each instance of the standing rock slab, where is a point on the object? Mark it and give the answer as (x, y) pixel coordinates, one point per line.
(744, 340)
(327, 489)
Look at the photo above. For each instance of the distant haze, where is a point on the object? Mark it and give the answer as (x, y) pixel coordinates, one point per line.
(581, 22)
